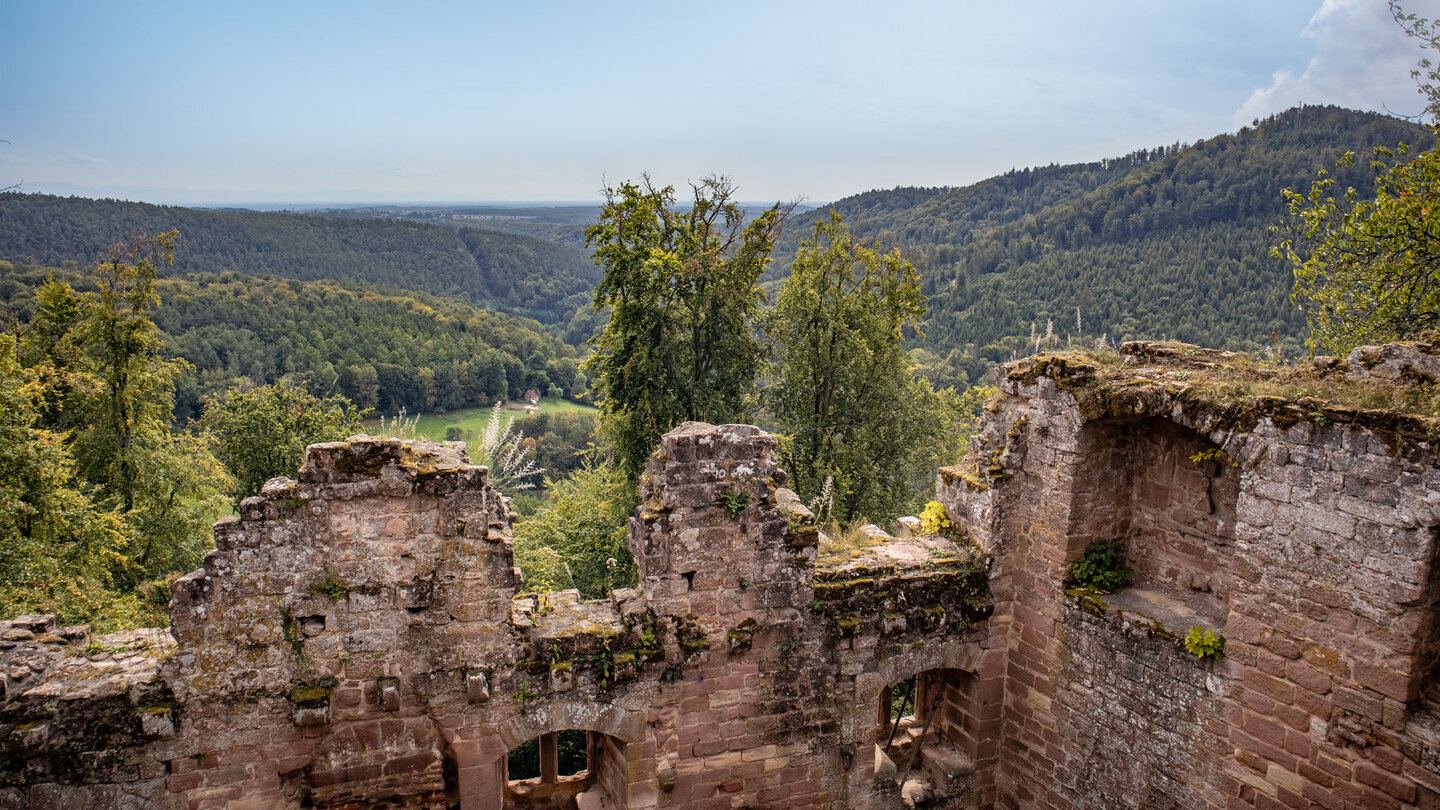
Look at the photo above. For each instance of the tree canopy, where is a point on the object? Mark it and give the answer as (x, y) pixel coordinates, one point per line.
(1367, 269)
(111, 496)
(841, 387)
(682, 290)
(262, 432)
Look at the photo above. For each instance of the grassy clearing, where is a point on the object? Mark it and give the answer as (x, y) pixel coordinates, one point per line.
(432, 426)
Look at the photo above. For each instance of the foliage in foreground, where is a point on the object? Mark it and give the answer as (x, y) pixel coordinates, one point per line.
(108, 500)
(1203, 643)
(841, 387)
(1102, 568)
(682, 289)
(113, 392)
(1368, 270)
(60, 551)
(261, 433)
(576, 539)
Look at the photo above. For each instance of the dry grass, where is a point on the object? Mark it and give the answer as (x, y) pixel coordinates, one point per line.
(842, 544)
(1322, 380)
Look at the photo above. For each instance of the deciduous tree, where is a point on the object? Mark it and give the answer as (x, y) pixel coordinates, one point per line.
(59, 551)
(119, 390)
(841, 386)
(1368, 270)
(572, 538)
(262, 432)
(682, 289)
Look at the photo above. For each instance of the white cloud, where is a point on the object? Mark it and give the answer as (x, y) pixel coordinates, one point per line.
(1361, 59)
(85, 160)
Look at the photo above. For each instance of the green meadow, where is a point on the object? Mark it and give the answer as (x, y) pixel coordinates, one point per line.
(473, 420)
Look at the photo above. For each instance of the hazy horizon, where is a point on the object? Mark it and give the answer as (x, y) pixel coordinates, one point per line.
(341, 105)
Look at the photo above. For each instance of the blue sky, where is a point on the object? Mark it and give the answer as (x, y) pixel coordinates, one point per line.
(547, 100)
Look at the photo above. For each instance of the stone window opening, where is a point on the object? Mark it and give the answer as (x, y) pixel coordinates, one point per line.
(570, 768)
(928, 734)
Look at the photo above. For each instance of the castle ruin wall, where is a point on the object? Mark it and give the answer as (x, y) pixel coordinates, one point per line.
(360, 638)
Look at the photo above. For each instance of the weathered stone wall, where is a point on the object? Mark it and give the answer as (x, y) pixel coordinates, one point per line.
(86, 722)
(358, 639)
(1308, 540)
(1138, 711)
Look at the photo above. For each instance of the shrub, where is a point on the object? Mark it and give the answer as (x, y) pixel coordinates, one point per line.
(1102, 568)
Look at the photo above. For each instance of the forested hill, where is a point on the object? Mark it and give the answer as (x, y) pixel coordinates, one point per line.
(1172, 241)
(506, 272)
(387, 350)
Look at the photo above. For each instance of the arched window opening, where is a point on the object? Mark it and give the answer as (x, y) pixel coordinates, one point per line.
(571, 768)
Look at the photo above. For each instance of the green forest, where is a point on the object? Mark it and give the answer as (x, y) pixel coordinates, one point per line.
(390, 351)
(506, 272)
(1166, 242)
(1171, 242)
(137, 369)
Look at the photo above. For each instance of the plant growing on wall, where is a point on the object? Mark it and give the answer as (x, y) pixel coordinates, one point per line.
(1203, 643)
(1102, 569)
(734, 501)
(934, 520)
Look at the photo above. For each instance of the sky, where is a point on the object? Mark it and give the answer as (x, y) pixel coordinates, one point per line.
(549, 100)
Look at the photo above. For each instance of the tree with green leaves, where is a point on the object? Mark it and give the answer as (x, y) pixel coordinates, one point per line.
(1368, 270)
(576, 539)
(167, 483)
(60, 552)
(842, 388)
(262, 432)
(681, 285)
(115, 391)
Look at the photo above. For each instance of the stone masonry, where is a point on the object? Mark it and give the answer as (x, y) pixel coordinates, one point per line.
(1304, 531)
(360, 638)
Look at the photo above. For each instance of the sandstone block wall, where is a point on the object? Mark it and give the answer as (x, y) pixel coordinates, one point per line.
(1305, 533)
(359, 639)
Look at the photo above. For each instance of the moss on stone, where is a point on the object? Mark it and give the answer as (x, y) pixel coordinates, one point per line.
(1216, 390)
(365, 461)
(310, 695)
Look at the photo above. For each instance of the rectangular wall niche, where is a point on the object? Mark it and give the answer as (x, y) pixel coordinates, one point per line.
(1169, 494)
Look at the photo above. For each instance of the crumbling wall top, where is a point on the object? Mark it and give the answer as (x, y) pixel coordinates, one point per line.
(1220, 392)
